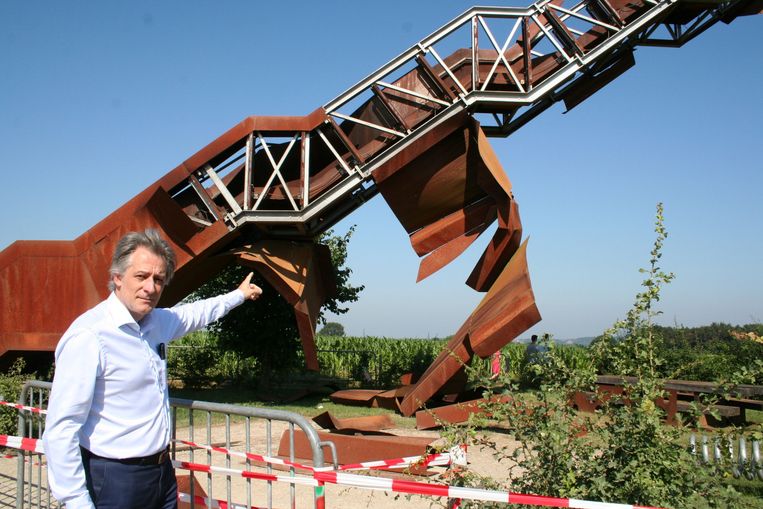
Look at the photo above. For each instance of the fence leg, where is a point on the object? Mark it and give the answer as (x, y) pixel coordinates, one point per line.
(20, 480)
(320, 496)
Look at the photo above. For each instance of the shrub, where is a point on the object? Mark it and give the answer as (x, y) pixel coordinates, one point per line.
(11, 383)
(197, 360)
(625, 453)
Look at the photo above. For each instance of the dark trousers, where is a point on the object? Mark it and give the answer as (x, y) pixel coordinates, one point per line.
(114, 485)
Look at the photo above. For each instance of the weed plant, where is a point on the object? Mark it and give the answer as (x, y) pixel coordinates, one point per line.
(622, 454)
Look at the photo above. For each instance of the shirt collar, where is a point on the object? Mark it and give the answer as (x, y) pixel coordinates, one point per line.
(119, 312)
(121, 315)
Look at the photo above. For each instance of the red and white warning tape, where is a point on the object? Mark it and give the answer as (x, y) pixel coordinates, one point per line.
(22, 407)
(246, 455)
(246, 474)
(24, 444)
(320, 476)
(425, 460)
(212, 503)
(411, 487)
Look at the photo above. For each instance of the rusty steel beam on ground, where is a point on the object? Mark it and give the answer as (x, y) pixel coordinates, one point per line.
(457, 413)
(391, 399)
(364, 423)
(357, 448)
(184, 486)
(357, 397)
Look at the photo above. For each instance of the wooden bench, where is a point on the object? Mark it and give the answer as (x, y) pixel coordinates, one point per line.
(731, 408)
(586, 401)
(726, 412)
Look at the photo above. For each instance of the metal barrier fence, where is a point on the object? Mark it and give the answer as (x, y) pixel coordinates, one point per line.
(727, 453)
(243, 429)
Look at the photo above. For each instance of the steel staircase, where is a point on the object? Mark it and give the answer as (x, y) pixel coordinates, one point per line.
(261, 192)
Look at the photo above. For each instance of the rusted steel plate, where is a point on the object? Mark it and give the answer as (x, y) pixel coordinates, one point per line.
(357, 448)
(357, 397)
(590, 84)
(31, 320)
(302, 273)
(499, 251)
(452, 414)
(507, 310)
(445, 198)
(590, 401)
(445, 366)
(470, 218)
(391, 399)
(363, 423)
(184, 486)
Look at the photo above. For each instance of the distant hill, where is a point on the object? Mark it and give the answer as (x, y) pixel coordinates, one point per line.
(585, 341)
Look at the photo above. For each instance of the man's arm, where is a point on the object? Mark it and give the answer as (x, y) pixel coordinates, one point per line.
(77, 364)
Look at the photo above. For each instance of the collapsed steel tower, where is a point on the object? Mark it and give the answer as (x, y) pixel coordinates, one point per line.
(261, 192)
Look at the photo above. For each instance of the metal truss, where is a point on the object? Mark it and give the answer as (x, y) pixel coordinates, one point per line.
(506, 64)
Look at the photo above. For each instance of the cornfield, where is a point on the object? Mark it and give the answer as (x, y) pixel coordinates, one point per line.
(380, 362)
(374, 361)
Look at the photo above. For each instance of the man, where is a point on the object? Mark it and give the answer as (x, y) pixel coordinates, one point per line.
(534, 351)
(108, 425)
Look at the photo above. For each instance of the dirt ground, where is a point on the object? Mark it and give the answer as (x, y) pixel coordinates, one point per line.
(337, 497)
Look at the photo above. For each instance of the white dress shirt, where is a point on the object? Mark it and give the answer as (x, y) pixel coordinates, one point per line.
(109, 391)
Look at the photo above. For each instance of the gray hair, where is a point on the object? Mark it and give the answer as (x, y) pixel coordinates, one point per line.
(151, 240)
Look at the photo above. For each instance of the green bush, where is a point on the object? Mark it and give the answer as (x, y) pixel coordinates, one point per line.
(197, 360)
(11, 383)
(624, 454)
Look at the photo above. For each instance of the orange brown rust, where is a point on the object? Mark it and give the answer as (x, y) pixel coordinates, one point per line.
(352, 449)
(445, 201)
(303, 274)
(421, 149)
(453, 414)
(364, 423)
(507, 310)
(357, 397)
(185, 482)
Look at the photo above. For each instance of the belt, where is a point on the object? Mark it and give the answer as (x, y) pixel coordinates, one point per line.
(152, 459)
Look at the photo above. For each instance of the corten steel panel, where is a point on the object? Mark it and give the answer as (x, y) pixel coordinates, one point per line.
(446, 197)
(589, 85)
(507, 310)
(357, 397)
(357, 449)
(184, 486)
(453, 414)
(391, 399)
(363, 423)
(450, 214)
(302, 273)
(48, 284)
(39, 282)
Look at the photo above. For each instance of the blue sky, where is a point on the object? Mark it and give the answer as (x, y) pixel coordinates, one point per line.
(100, 99)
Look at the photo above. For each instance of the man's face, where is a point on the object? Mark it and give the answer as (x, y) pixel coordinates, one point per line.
(140, 287)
